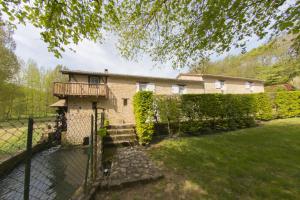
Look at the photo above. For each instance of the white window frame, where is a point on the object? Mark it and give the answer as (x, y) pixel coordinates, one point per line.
(220, 84)
(178, 89)
(250, 85)
(140, 86)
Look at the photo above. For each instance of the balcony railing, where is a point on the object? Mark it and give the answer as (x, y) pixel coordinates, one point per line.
(79, 89)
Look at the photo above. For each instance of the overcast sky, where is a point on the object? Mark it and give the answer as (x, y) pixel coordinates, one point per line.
(94, 56)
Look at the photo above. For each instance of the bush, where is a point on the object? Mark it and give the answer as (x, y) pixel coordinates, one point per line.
(144, 115)
(287, 104)
(167, 110)
(263, 106)
(207, 113)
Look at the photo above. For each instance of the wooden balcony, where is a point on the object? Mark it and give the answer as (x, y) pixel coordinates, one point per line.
(79, 89)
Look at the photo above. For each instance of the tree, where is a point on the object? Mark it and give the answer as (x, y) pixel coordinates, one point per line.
(9, 64)
(274, 62)
(183, 31)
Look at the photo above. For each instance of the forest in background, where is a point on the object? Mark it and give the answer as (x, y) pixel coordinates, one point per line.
(25, 87)
(276, 62)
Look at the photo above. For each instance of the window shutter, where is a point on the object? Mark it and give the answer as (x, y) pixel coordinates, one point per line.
(218, 84)
(175, 89)
(137, 87)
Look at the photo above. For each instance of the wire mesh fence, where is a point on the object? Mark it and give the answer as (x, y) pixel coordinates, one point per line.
(48, 158)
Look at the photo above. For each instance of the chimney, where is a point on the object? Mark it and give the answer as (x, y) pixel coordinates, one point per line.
(106, 71)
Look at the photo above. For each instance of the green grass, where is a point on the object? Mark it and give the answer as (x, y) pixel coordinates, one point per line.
(13, 137)
(255, 163)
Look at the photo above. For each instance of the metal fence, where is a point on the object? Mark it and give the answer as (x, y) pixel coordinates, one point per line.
(49, 158)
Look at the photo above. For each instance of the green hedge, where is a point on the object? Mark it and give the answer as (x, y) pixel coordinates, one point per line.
(264, 106)
(210, 112)
(144, 115)
(287, 104)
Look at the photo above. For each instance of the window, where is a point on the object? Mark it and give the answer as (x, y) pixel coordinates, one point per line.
(145, 87)
(94, 80)
(178, 89)
(125, 101)
(249, 86)
(220, 84)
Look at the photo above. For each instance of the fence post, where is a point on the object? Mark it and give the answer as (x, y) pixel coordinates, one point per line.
(90, 157)
(95, 144)
(28, 159)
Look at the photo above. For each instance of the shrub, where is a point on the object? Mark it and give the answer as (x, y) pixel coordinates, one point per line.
(287, 104)
(167, 110)
(263, 106)
(207, 113)
(102, 132)
(144, 115)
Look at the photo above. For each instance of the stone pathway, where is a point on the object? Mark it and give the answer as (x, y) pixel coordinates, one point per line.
(131, 165)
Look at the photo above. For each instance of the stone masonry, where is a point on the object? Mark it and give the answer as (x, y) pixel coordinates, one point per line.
(131, 165)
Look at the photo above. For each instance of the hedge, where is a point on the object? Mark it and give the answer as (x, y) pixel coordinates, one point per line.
(264, 106)
(210, 112)
(287, 104)
(144, 115)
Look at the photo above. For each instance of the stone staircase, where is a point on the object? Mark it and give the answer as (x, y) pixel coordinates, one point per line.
(120, 135)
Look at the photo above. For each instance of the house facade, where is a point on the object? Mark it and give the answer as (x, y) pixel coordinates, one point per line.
(113, 93)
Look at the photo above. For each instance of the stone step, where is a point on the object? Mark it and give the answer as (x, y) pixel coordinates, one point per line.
(122, 126)
(119, 137)
(120, 131)
(120, 143)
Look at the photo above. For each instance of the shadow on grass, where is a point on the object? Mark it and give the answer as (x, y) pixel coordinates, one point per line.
(255, 163)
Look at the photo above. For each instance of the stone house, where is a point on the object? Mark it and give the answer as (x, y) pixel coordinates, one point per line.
(113, 93)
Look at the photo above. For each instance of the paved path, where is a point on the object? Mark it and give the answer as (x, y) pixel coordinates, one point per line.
(131, 165)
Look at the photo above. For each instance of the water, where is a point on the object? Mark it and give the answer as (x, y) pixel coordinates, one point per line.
(55, 174)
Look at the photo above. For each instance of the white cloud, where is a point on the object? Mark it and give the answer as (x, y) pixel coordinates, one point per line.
(88, 56)
(94, 56)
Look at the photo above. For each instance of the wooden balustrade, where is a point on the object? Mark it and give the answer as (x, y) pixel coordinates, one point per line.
(79, 89)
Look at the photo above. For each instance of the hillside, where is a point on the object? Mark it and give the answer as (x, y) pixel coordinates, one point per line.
(275, 62)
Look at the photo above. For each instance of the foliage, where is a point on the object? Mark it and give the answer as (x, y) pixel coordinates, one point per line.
(144, 115)
(287, 104)
(273, 62)
(31, 94)
(9, 64)
(204, 113)
(264, 106)
(180, 31)
(235, 165)
(167, 109)
(106, 123)
(102, 132)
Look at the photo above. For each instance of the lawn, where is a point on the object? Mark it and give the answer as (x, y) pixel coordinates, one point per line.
(13, 136)
(255, 163)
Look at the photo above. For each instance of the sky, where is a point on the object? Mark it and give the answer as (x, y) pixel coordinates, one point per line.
(91, 56)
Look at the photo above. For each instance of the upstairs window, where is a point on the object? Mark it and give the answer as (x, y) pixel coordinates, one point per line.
(145, 87)
(220, 84)
(178, 89)
(94, 80)
(249, 85)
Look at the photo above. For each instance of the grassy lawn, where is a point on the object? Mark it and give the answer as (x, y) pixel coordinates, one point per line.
(255, 163)
(13, 137)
